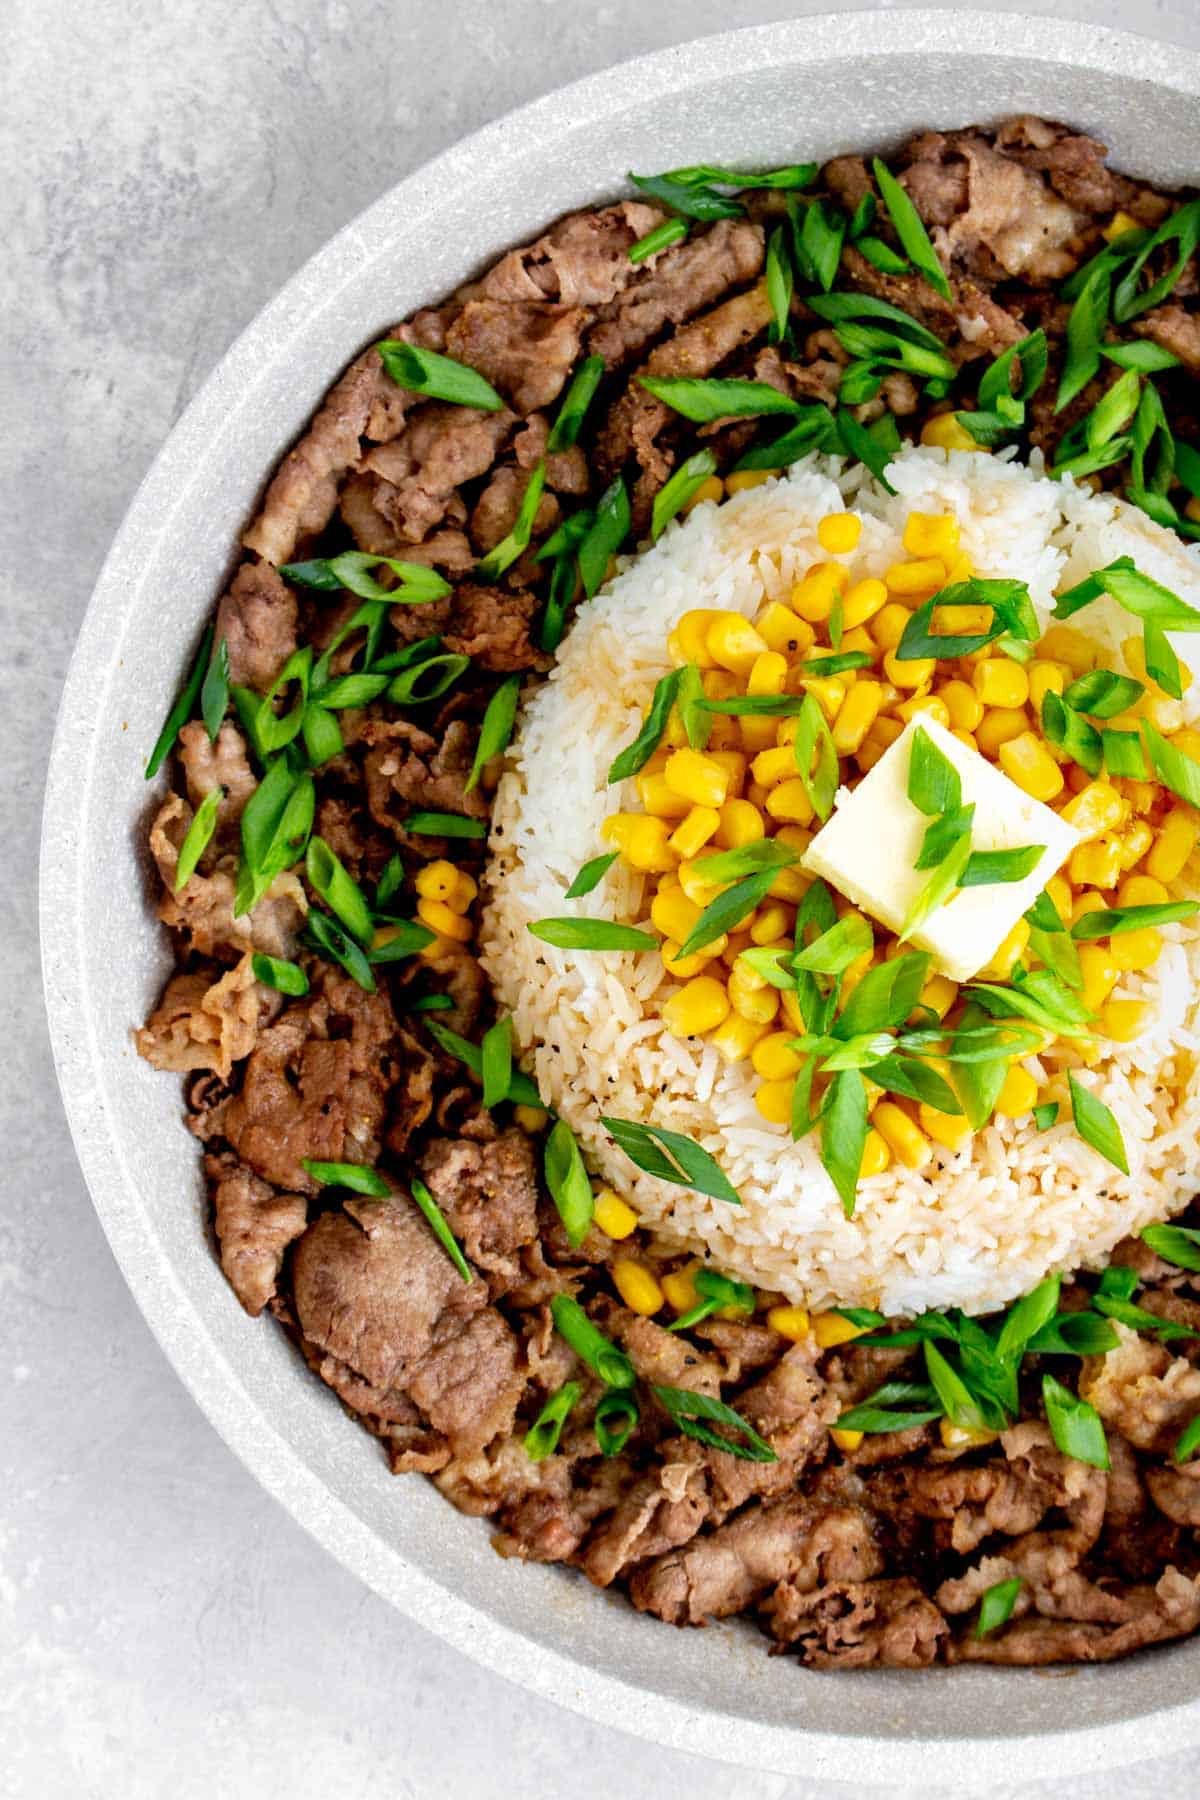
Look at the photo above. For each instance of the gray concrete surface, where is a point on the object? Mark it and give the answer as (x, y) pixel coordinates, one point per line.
(163, 1627)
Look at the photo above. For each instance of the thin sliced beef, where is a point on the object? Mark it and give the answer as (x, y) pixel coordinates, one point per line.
(526, 349)
(300, 501)
(203, 908)
(207, 765)
(254, 1227)
(971, 323)
(655, 1512)
(1176, 1492)
(999, 218)
(257, 620)
(207, 1020)
(677, 284)
(1169, 1609)
(1143, 1391)
(408, 771)
(495, 512)
(566, 470)
(858, 1624)
(454, 971)
(488, 1194)
(583, 260)
(493, 627)
(315, 1085)
(420, 472)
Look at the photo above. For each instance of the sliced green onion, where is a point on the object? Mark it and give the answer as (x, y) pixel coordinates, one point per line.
(606, 533)
(598, 1353)
(273, 972)
(1112, 921)
(996, 1605)
(575, 933)
(404, 938)
(794, 175)
(521, 1090)
(1103, 694)
(438, 377)
(1096, 1125)
(437, 1224)
(276, 821)
(910, 229)
(670, 1156)
(427, 680)
(341, 893)
(614, 1420)
(1046, 1115)
(722, 914)
(321, 735)
(196, 840)
(541, 1440)
(1085, 333)
(443, 824)
(865, 447)
(591, 875)
(689, 1412)
(1183, 227)
(671, 231)
(1074, 1424)
(495, 733)
(844, 1129)
(350, 570)
(496, 1054)
(506, 552)
(358, 1177)
(732, 865)
(779, 283)
(687, 479)
(323, 934)
(703, 400)
(693, 710)
(1122, 752)
(814, 428)
(636, 755)
(181, 711)
(1178, 1244)
(1070, 731)
(816, 756)
(214, 695)
(692, 199)
(574, 405)
(1188, 1442)
(1178, 771)
(834, 951)
(987, 868)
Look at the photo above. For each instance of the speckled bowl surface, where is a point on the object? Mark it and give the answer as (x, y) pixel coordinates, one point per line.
(768, 95)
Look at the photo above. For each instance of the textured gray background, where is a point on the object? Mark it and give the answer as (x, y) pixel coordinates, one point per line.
(163, 1627)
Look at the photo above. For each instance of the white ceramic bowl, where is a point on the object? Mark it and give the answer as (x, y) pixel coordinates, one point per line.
(757, 97)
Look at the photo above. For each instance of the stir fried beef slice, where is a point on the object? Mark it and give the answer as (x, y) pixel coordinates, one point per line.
(1143, 1391)
(674, 285)
(407, 770)
(203, 908)
(314, 1086)
(583, 260)
(1153, 1615)
(207, 1020)
(420, 472)
(375, 1292)
(257, 620)
(495, 512)
(526, 349)
(794, 1540)
(1000, 218)
(888, 1622)
(299, 503)
(488, 1194)
(223, 763)
(1176, 330)
(654, 1513)
(493, 627)
(1074, 166)
(254, 1226)
(1176, 1492)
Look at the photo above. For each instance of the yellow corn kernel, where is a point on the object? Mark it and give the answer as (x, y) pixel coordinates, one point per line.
(1062, 643)
(1135, 840)
(964, 1437)
(830, 1330)
(697, 777)
(435, 880)
(438, 916)
(1100, 974)
(1166, 715)
(962, 703)
(905, 1139)
(760, 1005)
(647, 847)
(712, 489)
(771, 925)
(1087, 903)
(858, 639)
(862, 602)
(887, 627)
(1123, 1020)
(876, 1156)
(939, 994)
(965, 737)
(689, 640)
(735, 1039)
(700, 1005)
(964, 621)
(945, 433)
(724, 734)
(1120, 223)
(742, 479)
(999, 725)
(692, 833)
(931, 534)
(959, 567)
(1046, 678)
(1176, 840)
(1026, 760)
(672, 913)
(1141, 890)
(720, 684)
(615, 1217)
(772, 1059)
(845, 1440)
(466, 888)
(925, 575)
(679, 1288)
(789, 1321)
(783, 630)
(813, 597)
(856, 715)
(828, 691)
(1059, 890)
(925, 706)
(768, 673)
(660, 801)
(1019, 1093)
(947, 1129)
(683, 968)
(1000, 682)
(530, 1118)
(734, 764)
(637, 1287)
(1097, 863)
(772, 766)
(913, 673)
(733, 643)
(855, 971)
(774, 1101)
(736, 942)
(740, 823)
(790, 803)
(1007, 953)
(754, 733)
(1143, 795)
(1135, 950)
(838, 533)
(1097, 808)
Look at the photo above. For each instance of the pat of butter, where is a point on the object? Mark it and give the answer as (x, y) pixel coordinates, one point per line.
(869, 847)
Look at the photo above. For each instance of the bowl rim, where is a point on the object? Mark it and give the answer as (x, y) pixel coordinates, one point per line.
(169, 1309)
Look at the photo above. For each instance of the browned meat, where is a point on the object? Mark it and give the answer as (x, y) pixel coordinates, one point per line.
(492, 626)
(677, 284)
(254, 1227)
(207, 765)
(792, 1541)
(848, 180)
(257, 619)
(1176, 1492)
(1143, 1391)
(654, 1513)
(1169, 1609)
(409, 771)
(581, 261)
(300, 501)
(971, 323)
(203, 907)
(855, 1624)
(447, 549)
(526, 349)
(420, 471)
(1074, 166)
(999, 217)
(495, 512)
(488, 1193)
(566, 470)
(314, 1086)
(1176, 330)
(456, 972)
(207, 1020)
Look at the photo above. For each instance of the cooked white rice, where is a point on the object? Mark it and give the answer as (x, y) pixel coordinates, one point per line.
(978, 1226)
